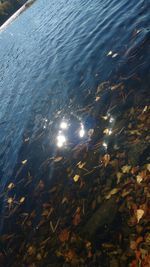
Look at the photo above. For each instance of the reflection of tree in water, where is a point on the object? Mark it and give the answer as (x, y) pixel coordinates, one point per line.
(8, 7)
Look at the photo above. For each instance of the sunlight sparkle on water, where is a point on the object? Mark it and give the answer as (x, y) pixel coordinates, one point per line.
(105, 145)
(61, 140)
(63, 125)
(81, 131)
(111, 119)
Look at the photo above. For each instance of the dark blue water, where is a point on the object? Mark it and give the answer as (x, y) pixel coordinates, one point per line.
(56, 54)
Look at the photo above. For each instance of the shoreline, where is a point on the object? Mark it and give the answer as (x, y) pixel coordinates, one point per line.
(16, 14)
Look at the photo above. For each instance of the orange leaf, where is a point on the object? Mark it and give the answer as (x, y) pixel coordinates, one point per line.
(106, 159)
(64, 235)
(71, 255)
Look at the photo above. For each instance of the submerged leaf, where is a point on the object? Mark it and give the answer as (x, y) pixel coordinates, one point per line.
(126, 168)
(112, 192)
(64, 235)
(77, 218)
(119, 175)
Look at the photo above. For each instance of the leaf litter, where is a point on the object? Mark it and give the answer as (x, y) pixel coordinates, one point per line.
(93, 185)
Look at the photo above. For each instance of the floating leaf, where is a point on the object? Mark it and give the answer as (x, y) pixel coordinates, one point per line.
(76, 178)
(22, 199)
(139, 214)
(11, 186)
(10, 200)
(27, 139)
(81, 165)
(24, 161)
(110, 53)
(126, 168)
(117, 86)
(57, 159)
(105, 118)
(97, 98)
(114, 55)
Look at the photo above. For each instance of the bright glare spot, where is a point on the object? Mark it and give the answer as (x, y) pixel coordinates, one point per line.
(110, 132)
(63, 125)
(105, 145)
(81, 131)
(111, 119)
(61, 140)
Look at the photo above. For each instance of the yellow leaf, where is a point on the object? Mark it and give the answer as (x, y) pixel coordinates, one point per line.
(139, 214)
(105, 118)
(97, 98)
(112, 192)
(24, 161)
(76, 178)
(148, 167)
(107, 131)
(11, 186)
(22, 199)
(119, 175)
(126, 168)
(10, 200)
(139, 179)
(81, 165)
